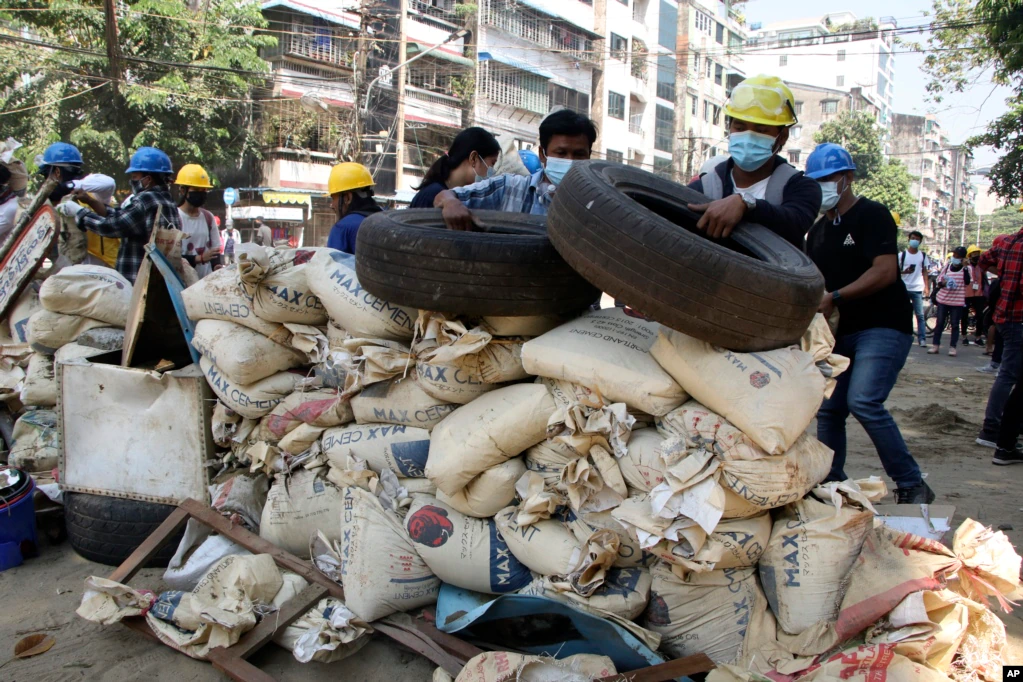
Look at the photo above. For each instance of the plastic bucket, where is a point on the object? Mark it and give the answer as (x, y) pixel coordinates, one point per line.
(18, 537)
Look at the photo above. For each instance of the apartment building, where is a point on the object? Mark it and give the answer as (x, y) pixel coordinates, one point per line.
(816, 106)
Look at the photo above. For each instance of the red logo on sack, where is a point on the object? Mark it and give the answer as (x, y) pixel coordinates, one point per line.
(430, 526)
(759, 379)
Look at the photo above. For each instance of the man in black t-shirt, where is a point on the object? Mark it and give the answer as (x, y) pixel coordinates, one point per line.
(854, 246)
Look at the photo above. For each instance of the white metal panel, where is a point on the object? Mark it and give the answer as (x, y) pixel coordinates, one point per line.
(134, 433)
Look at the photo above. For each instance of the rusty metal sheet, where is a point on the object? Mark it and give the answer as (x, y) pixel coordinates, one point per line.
(26, 255)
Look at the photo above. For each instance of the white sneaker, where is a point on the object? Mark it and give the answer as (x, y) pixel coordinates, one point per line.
(990, 368)
(986, 443)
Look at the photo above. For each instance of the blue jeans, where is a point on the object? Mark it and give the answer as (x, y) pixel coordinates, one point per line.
(877, 356)
(1008, 375)
(917, 299)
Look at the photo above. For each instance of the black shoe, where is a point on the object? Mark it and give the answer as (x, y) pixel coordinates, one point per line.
(918, 494)
(1007, 457)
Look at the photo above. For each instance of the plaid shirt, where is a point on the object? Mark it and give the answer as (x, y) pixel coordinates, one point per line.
(509, 193)
(1008, 258)
(133, 225)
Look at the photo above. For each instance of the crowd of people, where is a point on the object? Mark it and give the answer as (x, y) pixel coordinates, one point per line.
(874, 290)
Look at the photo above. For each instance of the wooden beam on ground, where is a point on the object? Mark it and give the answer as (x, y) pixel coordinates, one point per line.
(150, 546)
(293, 609)
(690, 665)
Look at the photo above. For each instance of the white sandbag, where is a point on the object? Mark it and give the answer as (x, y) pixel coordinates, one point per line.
(488, 431)
(771, 396)
(48, 331)
(718, 613)
(252, 401)
(399, 401)
(23, 308)
(243, 356)
(401, 449)
(812, 548)
(301, 438)
(488, 493)
(218, 296)
(92, 291)
(521, 326)
(608, 351)
(382, 572)
(451, 384)
(282, 294)
(298, 506)
(240, 496)
(40, 386)
(323, 408)
(630, 554)
(463, 551)
(36, 446)
(504, 666)
(549, 458)
(625, 592)
(735, 543)
(74, 351)
(198, 550)
(642, 466)
(326, 633)
(331, 276)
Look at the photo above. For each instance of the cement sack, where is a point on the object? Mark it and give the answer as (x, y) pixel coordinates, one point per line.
(278, 286)
(642, 466)
(399, 401)
(336, 335)
(488, 431)
(608, 351)
(102, 338)
(90, 291)
(48, 331)
(770, 396)
(241, 497)
(252, 401)
(36, 446)
(488, 493)
(718, 613)
(736, 543)
(382, 572)
(527, 326)
(819, 341)
(73, 351)
(583, 420)
(928, 627)
(332, 278)
(221, 606)
(549, 458)
(401, 449)
(298, 506)
(243, 356)
(198, 550)
(550, 548)
(630, 554)
(40, 386)
(218, 296)
(107, 602)
(864, 663)
(463, 551)
(322, 408)
(504, 666)
(813, 546)
(326, 633)
(625, 592)
(23, 308)
(451, 384)
(301, 439)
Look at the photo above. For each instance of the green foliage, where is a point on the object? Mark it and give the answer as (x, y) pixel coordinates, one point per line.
(889, 185)
(196, 115)
(1006, 220)
(466, 9)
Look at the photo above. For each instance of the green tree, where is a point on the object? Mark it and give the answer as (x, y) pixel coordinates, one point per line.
(884, 181)
(181, 80)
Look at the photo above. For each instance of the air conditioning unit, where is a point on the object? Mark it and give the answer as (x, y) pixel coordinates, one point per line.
(631, 155)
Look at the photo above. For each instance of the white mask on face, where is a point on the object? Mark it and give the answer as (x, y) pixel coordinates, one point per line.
(830, 195)
(490, 170)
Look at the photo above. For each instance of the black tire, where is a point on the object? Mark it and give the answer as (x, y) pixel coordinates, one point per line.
(630, 233)
(108, 529)
(508, 268)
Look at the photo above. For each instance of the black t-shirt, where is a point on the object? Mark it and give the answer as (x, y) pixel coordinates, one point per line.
(845, 251)
(425, 196)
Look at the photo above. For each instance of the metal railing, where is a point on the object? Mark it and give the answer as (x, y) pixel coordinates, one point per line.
(315, 45)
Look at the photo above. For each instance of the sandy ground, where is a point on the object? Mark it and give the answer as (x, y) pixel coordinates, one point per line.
(938, 402)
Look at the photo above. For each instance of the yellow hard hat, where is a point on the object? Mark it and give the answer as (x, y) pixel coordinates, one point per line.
(898, 219)
(973, 248)
(345, 177)
(193, 175)
(762, 99)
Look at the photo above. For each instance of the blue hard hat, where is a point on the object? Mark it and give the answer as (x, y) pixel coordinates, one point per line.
(530, 160)
(149, 160)
(62, 153)
(828, 158)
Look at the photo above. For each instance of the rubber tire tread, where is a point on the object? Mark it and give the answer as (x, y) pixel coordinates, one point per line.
(758, 300)
(510, 268)
(108, 529)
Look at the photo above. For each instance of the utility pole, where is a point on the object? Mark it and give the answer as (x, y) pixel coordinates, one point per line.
(597, 105)
(113, 50)
(682, 144)
(399, 139)
(359, 81)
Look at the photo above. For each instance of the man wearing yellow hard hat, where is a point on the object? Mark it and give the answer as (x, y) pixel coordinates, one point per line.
(351, 196)
(976, 296)
(201, 244)
(753, 183)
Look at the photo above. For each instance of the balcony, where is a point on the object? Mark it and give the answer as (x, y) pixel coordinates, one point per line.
(424, 106)
(548, 32)
(320, 45)
(637, 129)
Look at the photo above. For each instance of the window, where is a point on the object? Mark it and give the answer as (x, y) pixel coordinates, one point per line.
(710, 68)
(578, 102)
(783, 60)
(793, 156)
(664, 128)
(615, 157)
(704, 24)
(796, 132)
(716, 115)
(514, 87)
(666, 77)
(841, 55)
(719, 74)
(883, 61)
(696, 62)
(694, 104)
(719, 34)
(882, 85)
(663, 167)
(799, 108)
(840, 81)
(706, 111)
(667, 27)
(616, 105)
(829, 106)
(619, 47)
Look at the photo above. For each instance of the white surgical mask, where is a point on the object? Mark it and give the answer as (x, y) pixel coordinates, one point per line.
(556, 169)
(490, 171)
(829, 196)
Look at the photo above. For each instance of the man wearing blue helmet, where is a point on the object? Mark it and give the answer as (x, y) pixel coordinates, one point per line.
(855, 247)
(150, 174)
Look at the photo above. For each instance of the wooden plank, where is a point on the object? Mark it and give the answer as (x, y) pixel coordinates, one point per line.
(140, 626)
(258, 545)
(423, 646)
(291, 611)
(236, 668)
(149, 547)
(663, 672)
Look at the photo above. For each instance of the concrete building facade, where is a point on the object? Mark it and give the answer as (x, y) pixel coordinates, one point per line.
(816, 106)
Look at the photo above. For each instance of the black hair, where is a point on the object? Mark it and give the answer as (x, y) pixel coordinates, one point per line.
(917, 233)
(465, 143)
(5, 174)
(362, 200)
(566, 122)
(959, 251)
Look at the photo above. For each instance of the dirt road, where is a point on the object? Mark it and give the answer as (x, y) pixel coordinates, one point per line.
(938, 402)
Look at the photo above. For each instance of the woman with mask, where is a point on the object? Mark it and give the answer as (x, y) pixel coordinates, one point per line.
(953, 282)
(754, 183)
(351, 196)
(470, 159)
(854, 245)
(201, 245)
(976, 297)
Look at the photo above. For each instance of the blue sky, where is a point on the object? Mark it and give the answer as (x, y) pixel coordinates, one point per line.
(961, 114)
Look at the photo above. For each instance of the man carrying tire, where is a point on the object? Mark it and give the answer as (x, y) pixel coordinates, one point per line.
(855, 247)
(565, 137)
(754, 183)
(351, 196)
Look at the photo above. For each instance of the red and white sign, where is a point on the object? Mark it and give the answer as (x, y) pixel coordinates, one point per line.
(30, 249)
